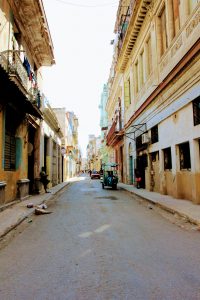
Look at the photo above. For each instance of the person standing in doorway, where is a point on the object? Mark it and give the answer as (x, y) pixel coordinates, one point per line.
(137, 178)
(44, 180)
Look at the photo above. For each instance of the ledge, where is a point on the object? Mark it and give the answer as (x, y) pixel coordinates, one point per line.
(23, 181)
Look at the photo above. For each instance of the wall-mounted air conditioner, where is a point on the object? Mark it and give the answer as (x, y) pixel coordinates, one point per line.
(145, 138)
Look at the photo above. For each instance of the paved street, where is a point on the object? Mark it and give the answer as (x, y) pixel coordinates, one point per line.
(100, 245)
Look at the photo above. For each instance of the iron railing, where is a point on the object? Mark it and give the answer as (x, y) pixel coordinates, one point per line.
(11, 62)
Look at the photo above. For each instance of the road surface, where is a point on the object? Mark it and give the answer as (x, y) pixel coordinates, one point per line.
(100, 245)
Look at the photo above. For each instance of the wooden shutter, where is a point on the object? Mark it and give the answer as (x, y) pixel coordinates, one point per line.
(126, 94)
(10, 152)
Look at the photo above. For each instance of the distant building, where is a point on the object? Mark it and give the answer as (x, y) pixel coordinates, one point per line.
(93, 153)
(71, 154)
(103, 124)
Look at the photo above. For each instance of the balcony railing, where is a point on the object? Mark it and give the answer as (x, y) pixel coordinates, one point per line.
(112, 131)
(115, 133)
(11, 62)
(124, 22)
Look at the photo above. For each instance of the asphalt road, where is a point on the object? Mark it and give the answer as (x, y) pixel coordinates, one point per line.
(100, 245)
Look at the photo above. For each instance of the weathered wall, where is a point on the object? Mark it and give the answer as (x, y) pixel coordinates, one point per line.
(11, 177)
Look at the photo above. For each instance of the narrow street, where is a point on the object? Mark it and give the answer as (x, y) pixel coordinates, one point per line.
(100, 245)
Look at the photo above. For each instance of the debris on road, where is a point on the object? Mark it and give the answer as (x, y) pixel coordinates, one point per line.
(30, 205)
(41, 211)
(43, 206)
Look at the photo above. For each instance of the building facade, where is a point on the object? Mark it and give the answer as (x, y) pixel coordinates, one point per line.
(50, 144)
(158, 71)
(25, 47)
(71, 154)
(94, 153)
(103, 125)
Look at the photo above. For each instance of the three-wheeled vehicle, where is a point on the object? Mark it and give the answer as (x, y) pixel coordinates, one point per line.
(109, 178)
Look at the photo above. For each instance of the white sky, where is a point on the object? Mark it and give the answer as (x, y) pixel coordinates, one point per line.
(83, 54)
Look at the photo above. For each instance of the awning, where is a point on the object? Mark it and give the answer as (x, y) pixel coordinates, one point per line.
(136, 130)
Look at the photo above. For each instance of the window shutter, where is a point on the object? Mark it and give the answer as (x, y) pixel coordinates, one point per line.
(126, 94)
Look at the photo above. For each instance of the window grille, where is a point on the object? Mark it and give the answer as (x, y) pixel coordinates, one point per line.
(11, 123)
(154, 134)
(196, 111)
(184, 152)
(167, 159)
(154, 156)
(10, 152)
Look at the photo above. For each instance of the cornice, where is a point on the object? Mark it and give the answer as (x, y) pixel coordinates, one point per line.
(30, 18)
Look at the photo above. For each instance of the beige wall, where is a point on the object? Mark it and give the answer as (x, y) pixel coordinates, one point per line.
(171, 108)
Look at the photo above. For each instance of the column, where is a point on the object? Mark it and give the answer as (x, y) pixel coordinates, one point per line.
(184, 11)
(170, 21)
(195, 170)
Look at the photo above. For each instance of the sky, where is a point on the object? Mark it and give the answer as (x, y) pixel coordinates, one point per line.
(81, 31)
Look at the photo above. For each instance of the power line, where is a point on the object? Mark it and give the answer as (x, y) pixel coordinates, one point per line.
(87, 5)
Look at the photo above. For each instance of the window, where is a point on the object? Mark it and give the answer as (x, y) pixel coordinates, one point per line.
(10, 140)
(184, 152)
(154, 134)
(163, 32)
(142, 67)
(167, 159)
(196, 111)
(127, 94)
(149, 56)
(154, 156)
(136, 77)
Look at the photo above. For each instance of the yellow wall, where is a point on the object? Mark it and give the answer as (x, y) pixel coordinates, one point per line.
(11, 177)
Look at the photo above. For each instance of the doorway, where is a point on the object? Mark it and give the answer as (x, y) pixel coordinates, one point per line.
(31, 157)
(141, 166)
(121, 164)
(131, 169)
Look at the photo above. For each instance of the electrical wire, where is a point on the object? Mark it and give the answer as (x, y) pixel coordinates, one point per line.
(87, 5)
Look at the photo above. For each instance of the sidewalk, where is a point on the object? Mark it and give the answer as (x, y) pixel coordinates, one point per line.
(18, 211)
(184, 208)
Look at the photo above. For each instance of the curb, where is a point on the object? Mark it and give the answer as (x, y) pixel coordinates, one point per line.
(29, 213)
(166, 208)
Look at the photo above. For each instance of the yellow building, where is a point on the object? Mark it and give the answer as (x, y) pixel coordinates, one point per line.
(25, 46)
(157, 79)
(94, 153)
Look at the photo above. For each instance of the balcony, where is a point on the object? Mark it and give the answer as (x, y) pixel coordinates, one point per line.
(124, 22)
(15, 85)
(114, 135)
(11, 62)
(128, 31)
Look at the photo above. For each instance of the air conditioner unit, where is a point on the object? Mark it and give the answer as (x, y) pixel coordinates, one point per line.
(145, 138)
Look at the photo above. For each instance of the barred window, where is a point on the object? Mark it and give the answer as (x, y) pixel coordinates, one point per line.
(184, 151)
(154, 134)
(167, 159)
(10, 140)
(154, 156)
(196, 111)
(10, 152)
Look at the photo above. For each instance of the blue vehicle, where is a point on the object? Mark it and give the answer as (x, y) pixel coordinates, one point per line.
(109, 178)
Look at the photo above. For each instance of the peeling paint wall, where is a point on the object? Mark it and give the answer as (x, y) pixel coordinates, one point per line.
(11, 177)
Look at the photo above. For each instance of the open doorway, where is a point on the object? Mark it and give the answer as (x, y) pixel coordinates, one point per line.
(31, 157)
(141, 166)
